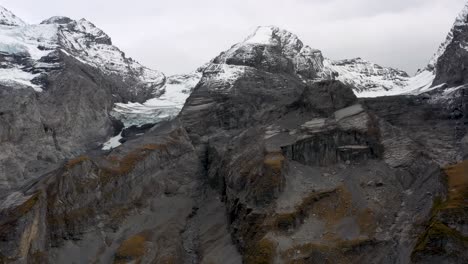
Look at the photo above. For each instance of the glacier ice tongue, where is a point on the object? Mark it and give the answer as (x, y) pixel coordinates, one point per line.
(165, 107)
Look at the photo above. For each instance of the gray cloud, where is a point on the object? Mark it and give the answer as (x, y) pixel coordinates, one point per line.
(179, 35)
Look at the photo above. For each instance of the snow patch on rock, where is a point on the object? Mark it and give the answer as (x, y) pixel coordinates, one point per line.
(113, 142)
(263, 36)
(367, 78)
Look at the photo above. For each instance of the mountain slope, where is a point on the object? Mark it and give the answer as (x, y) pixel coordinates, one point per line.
(58, 83)
(446, 68)
(29, 50)
(262, 165)
(270, 160)
(451, 57)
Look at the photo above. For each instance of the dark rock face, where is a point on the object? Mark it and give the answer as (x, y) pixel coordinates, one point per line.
(258, 168)
(264, 164)
(57, 20)
(70, 117)
(450, 67)
(316, 138)
(430, 123)
(63, 110)
(327, 97)
(449, 62)
(253, 99)
(90, 199)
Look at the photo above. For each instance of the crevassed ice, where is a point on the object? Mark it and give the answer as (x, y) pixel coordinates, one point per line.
(176, 91)
(28, 39)
(15, 77)
(32, 41)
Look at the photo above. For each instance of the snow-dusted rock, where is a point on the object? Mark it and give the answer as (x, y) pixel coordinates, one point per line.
(367, 78)
(79, 39)
(275, 50)
(278, 51)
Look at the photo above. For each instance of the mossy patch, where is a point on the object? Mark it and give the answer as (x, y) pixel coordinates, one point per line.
(273, 164)
(132, 249)
(26, 206)
(373, 128)
(438, 231)
(38, 257)
(124, 165)
(274, 160)
(76, 161)
(263, 176)
(455, 204)
(263, 252)
(330, 206)
(334, 253)
(287, 220)
(457, 180)
(71, 216)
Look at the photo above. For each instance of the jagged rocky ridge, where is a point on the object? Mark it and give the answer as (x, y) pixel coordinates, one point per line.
(266, 163)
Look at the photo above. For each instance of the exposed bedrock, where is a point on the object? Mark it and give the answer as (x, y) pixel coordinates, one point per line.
(265, 169)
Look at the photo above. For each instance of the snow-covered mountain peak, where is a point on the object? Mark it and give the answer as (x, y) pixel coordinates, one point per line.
(289, 43)
(274, 50)
(85, 26)
(271, 35)
(462, 18)
(59, 20)
(83, 40)
(7, 18)
(262, 36)
(460, 21)
(35, 45)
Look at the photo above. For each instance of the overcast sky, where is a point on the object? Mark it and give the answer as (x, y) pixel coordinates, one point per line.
(177, 36)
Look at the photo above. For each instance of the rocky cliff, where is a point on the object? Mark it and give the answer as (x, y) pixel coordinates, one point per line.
(59, 81)
(271, 159)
